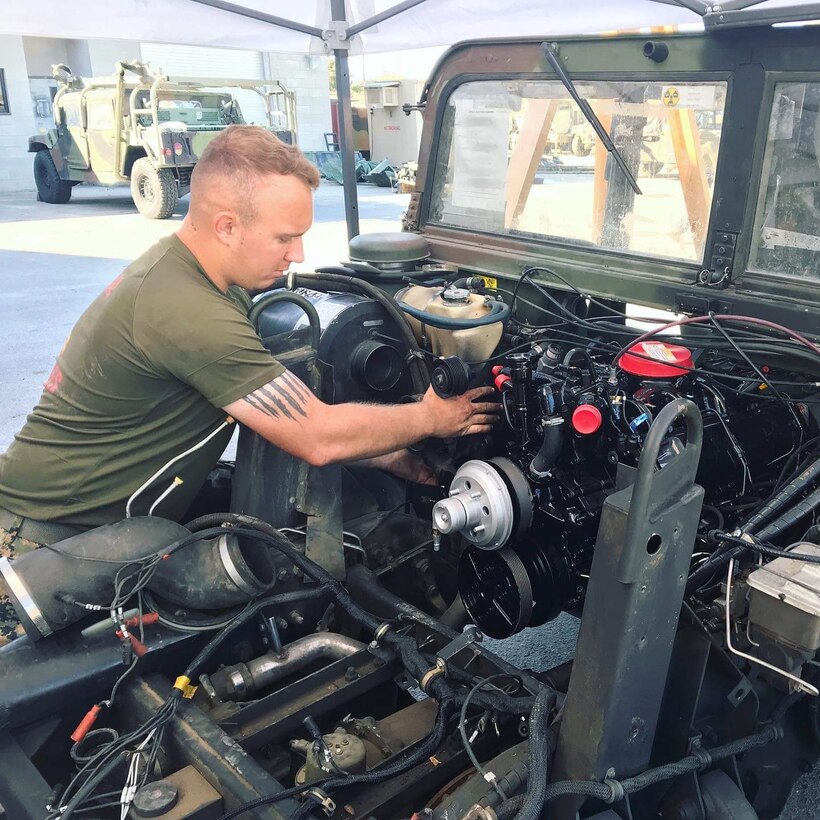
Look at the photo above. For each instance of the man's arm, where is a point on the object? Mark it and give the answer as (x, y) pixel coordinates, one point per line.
(287, 414)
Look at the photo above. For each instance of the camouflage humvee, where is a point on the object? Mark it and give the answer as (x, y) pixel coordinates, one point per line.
(145, 128)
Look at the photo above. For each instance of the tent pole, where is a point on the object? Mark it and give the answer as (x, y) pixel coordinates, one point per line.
(262, 17)
(345, 111)
(385, 15)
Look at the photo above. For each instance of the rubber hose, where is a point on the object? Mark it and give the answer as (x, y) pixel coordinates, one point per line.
(365, 587)
(347, 284)
(455, 616)
(687, 765)
(378, 276)
(790, 517)
(783, 497)
(551, 446)
(294, 298)
(539, 747)
(499, 312)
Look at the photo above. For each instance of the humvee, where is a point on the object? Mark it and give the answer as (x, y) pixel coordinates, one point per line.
(143, 128)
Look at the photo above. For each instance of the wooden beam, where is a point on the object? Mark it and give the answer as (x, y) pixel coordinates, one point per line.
(600, 182)
(526, 155)
(691, 170)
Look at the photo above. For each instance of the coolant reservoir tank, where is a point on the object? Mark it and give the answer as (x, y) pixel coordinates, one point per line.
(471, 344)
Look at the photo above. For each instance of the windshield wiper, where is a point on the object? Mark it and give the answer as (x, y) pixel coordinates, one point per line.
(552, 58)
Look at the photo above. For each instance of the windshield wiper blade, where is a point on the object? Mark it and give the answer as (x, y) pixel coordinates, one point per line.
(586, 109)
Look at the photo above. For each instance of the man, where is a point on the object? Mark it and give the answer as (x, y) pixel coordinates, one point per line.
(141, 400)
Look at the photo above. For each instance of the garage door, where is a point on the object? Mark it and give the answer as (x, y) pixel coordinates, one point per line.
(199, 61)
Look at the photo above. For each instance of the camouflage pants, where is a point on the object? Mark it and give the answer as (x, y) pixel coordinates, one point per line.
(11, 546)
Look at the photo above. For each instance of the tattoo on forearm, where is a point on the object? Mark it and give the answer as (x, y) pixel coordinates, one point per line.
(281, 397)
(297, 387)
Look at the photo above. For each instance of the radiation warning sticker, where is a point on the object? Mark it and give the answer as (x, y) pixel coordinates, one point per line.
(671, 96)
(700, 96)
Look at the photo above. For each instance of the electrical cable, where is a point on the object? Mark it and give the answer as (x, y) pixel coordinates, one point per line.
(760, 374)
(488, 776)
(170, 463)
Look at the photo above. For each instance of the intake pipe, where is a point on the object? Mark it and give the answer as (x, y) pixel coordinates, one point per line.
(52, 588)
(45, 584)
(240, 681)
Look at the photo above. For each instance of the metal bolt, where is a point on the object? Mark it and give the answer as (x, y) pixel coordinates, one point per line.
(282, 623)
(295, 617)
(282, 574)
(292, 499)
(297, 572)
(351, 674)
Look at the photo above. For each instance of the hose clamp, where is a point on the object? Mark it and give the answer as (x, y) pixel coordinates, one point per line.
(431, 674)
(380, 632)
(328, 806)
(23, 596)
(290, 282)
(702, 756)
(231, 569)
(616, 790)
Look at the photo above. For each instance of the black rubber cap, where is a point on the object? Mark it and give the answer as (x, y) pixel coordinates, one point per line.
(379, 248)
(155, 799)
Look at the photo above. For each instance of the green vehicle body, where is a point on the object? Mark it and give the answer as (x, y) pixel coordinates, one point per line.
(136, 121)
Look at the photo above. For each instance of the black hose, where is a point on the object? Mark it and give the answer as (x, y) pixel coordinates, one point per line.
(351, 284)
(499, 312)
(455, 616)
(791, 516)
(294, 298)
(540, 751)
(780, 499)
(612, 791)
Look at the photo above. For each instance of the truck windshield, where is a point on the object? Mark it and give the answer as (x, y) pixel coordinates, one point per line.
(787, 225)
(519, 158)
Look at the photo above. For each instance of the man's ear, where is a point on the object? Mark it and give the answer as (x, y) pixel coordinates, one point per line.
(225, 227)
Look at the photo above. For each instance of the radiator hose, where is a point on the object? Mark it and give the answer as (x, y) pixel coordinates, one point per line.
(350, 284)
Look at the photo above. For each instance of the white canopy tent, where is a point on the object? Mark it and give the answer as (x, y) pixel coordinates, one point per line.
(343, 27)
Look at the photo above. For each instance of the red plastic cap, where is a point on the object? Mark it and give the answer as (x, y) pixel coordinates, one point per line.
(500, 380)
(86, 723)
(656, 360)
(586, 419)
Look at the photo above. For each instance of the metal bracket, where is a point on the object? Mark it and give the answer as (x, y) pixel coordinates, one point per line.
(335, 36)
(470, 635)
(328, 806)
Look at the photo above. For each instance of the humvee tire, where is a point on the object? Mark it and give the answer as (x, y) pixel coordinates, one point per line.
(154, 189)
(50, 188)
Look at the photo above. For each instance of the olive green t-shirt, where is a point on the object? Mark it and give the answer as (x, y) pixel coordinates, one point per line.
(140, 380)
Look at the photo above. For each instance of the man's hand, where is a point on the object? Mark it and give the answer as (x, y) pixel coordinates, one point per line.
(402, 464)
(461, 415)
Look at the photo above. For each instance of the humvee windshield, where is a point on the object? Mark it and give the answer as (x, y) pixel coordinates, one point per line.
(200, 111)
(515, 159)
(787, 226)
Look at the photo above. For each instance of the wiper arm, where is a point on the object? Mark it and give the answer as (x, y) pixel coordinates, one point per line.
(586, 110)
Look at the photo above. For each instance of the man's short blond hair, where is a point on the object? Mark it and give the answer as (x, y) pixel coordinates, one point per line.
(241, 154)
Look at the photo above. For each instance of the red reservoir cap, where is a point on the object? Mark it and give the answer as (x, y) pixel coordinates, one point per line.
(586, 419)
(656, 360)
